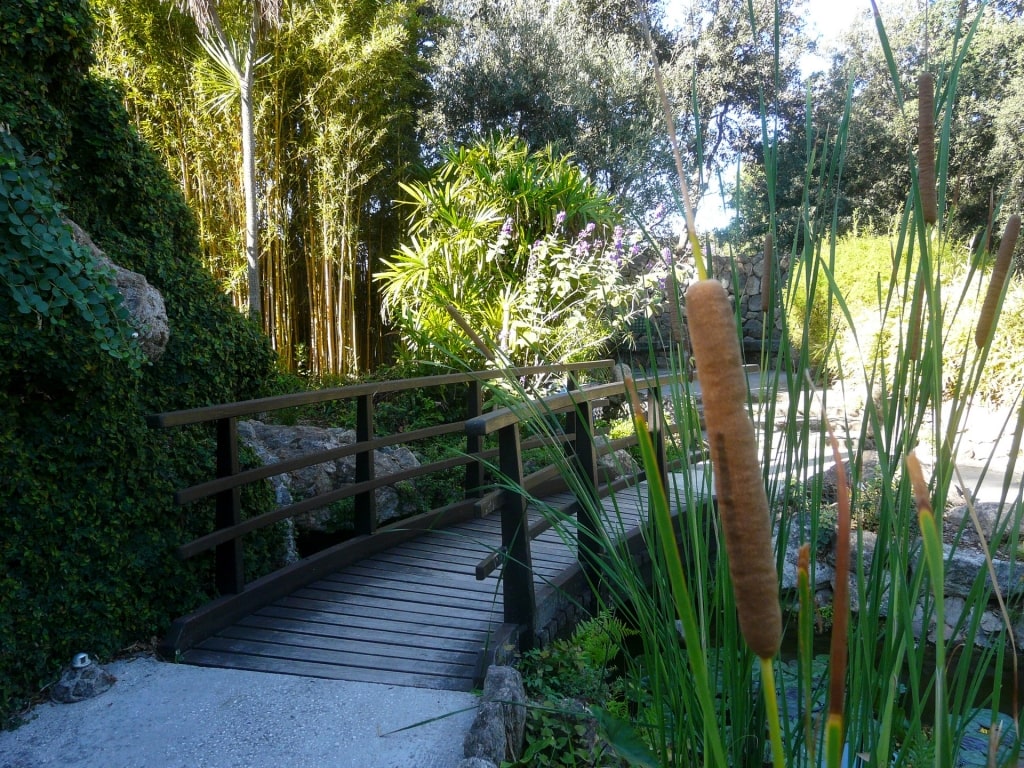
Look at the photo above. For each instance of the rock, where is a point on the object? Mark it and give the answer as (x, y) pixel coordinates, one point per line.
(497, 732)
(274, 443)
(612, 466)
(823, 572)
(82, 680)
(487, 738)
(476, 762)
(144, 303)
(830, 477)
(993, 517)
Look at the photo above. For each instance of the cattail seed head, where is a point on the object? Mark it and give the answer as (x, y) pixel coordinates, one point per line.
(1000, 270)
(742, 501)
(926, 146)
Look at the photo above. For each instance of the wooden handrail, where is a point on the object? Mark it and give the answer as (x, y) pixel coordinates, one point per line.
(230, 526)
(278, 402)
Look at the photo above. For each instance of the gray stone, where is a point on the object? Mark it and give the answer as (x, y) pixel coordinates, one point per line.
(274, 443)
(993, 517)
(497, 732)
(143, 302)
(81, 680)
(487, 738)
(476, 762)
(823, 572)
(830, 477)
(614, 465)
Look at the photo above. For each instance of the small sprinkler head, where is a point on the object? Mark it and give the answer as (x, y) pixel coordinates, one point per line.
(81, 661)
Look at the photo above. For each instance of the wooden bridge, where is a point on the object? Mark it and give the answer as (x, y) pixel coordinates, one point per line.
(431, 600)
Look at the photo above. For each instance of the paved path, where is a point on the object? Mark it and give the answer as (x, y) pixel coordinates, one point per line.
(161, 715)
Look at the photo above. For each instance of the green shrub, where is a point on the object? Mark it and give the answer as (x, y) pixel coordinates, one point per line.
(862, 272)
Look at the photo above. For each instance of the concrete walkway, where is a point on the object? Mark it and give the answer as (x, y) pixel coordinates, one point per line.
(161, 715)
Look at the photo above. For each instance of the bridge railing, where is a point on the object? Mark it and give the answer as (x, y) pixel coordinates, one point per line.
(517, 530)
(238, 598)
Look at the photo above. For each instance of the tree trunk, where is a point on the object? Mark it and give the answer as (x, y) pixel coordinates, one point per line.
(252, 252)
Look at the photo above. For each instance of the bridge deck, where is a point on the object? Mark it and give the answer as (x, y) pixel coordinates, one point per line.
(414, 615)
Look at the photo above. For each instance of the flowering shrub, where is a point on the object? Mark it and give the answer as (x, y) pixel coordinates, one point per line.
(526, 252)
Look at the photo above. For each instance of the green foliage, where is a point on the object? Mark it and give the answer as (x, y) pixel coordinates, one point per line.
(527, 252)
(46, 271)
(335, 133)
(89, 531)
(576, 75)
(564, 680)
(865, 274)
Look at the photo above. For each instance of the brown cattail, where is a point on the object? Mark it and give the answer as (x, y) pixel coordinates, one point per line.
(922, 499)
(926, 146)
(742, 501)
(766, 280)
(995, 287)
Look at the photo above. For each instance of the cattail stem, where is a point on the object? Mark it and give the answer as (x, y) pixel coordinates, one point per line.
(926, 146)
(805, 648)
(742, 501)
(841, 594)
(1000, 270)
(915, 331)
(766, 280)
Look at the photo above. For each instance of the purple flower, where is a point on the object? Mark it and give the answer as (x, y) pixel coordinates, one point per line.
(590, 228)
(666, 253)
(634, 250)
(506, 228)
(560, 218)
(618, 235)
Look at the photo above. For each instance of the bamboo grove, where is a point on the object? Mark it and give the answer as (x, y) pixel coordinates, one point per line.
(336, 97)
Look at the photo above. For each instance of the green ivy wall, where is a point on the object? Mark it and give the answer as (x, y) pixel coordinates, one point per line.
(87, 525)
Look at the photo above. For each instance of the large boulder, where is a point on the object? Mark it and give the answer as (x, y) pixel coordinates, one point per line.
(273, 443)
(144, 303)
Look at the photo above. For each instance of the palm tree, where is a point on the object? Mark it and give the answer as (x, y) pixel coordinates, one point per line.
(240, 63)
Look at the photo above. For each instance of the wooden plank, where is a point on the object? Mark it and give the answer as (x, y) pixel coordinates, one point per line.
(329, 671)
(324, 656)
(373, 634)
(385, 605)
(323, 611)
(426, 579)
(436, 548)
(345, 584)
(400, 655)
(457, 567)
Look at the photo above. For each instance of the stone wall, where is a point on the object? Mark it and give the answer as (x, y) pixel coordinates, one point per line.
(668, 326)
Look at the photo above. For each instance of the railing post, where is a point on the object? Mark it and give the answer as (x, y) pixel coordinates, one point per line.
(589, 547)
(517, 577)
(366, 502)
(229, 572)
(474, 443)
(580, 423)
